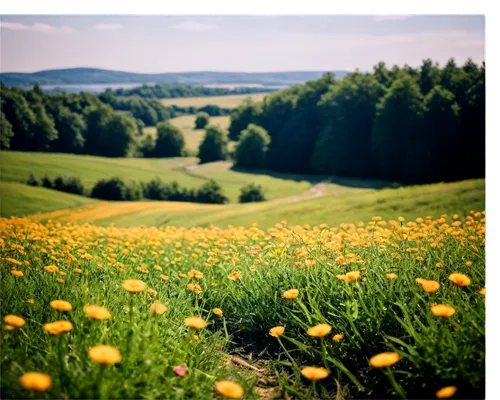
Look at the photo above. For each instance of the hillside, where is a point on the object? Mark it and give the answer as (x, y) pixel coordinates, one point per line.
(344, 205)
(17, 167)
(95, 76)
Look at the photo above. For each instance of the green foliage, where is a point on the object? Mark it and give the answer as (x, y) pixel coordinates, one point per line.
(247, 113)
(120, 133)
(211, 192)
(252, 148)
(116, 189)
(214, 145)
(201, 121)
(6, 132)
(169, 140)
(251, 193)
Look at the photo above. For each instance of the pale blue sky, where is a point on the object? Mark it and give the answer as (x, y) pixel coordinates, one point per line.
(235, 43)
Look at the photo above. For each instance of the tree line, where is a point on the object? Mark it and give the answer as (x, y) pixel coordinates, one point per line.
(404, 124)
(116, 189)
(159, 91)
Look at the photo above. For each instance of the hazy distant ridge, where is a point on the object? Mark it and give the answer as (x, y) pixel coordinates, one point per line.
(100, 76)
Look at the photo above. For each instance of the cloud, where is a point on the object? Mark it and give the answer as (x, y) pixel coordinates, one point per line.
(36, 27)
(383, 18)
(108, 27)
(194, 26)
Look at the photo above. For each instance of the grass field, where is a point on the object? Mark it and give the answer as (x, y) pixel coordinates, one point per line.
(17, 166)
(231, 101)
(338, 205)
(384, 309)
(19, 199)
(193, 137)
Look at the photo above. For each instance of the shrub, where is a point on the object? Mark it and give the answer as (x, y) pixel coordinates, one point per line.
(201, 120)
(32, 181)
(252, 148)
(47, 183)
(112, 189)
(169, 140)
(211, 192)
(251, 193)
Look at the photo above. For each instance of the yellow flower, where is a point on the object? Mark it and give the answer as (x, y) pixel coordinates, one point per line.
(58, 327)
(30, 301)
(229, 389)
(181, 275)
(14, 320)
(319, 330)
(152, 292)
(158, 268)
(107, 355)
(291, 294)
(164, 277)
(59, 280)
(442, 310)
(51, 268)
(430, 286)
(61, 305)
(195, 322)
(468, 264)
(401, 219)
(313, 373)
(384, 359)
(234, 276)
(15, 272)
(77, 271)
(134, 285)
(96, 312)
(277, 331)
(446, 392)
(158, 308)
(459, 279)
(9, 328)
(352, 276)
(218, 311)
(483, 291)
(391, 276)
(35, 381)
(338, 337)
(341, 277)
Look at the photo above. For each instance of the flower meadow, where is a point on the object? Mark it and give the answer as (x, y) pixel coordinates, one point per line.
(382, 309)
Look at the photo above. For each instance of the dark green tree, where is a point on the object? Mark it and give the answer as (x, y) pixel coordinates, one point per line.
(247, 113)
(201, 120)
(6, 132)
(252, 148)
(169, 140)
(214, 145)
(251, 193)
(70, 127)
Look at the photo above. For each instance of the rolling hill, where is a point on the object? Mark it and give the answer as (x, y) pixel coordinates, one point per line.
(97, 76)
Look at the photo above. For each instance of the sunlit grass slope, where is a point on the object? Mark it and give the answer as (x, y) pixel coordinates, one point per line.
(231, 101)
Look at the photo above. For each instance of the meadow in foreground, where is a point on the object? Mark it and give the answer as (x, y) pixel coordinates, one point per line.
(385, 309)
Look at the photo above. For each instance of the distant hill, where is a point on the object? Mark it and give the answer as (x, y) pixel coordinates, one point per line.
(73, 76)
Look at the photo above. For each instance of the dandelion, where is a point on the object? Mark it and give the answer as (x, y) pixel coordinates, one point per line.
(61, 305)
(9, 328)
(341, 277)
(15, 272)
(468, 263)
(483, 291)
(59, 280)
(36, 381)
(30, 301)
(51, 268)
(96, 312)
(164, 277)
(291, 294)
(77, 271)
(439, 265)
(384, 359)
(196, 323)
(313, 373)
(181, 275)
(158, 308)
(442, 310)
(391, 276)
(218, 311)
(430, 286)
(338, 337)
(58, 327)
(459, 279)
(152, 292)
(229, 389)
(352, 276)
(446, 392)
(134, 285)
(277, 331)
(14, 320)
(106, 355)
(234, 276)
(319, 330)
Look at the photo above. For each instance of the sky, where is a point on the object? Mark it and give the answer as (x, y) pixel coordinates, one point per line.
(155, 44)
